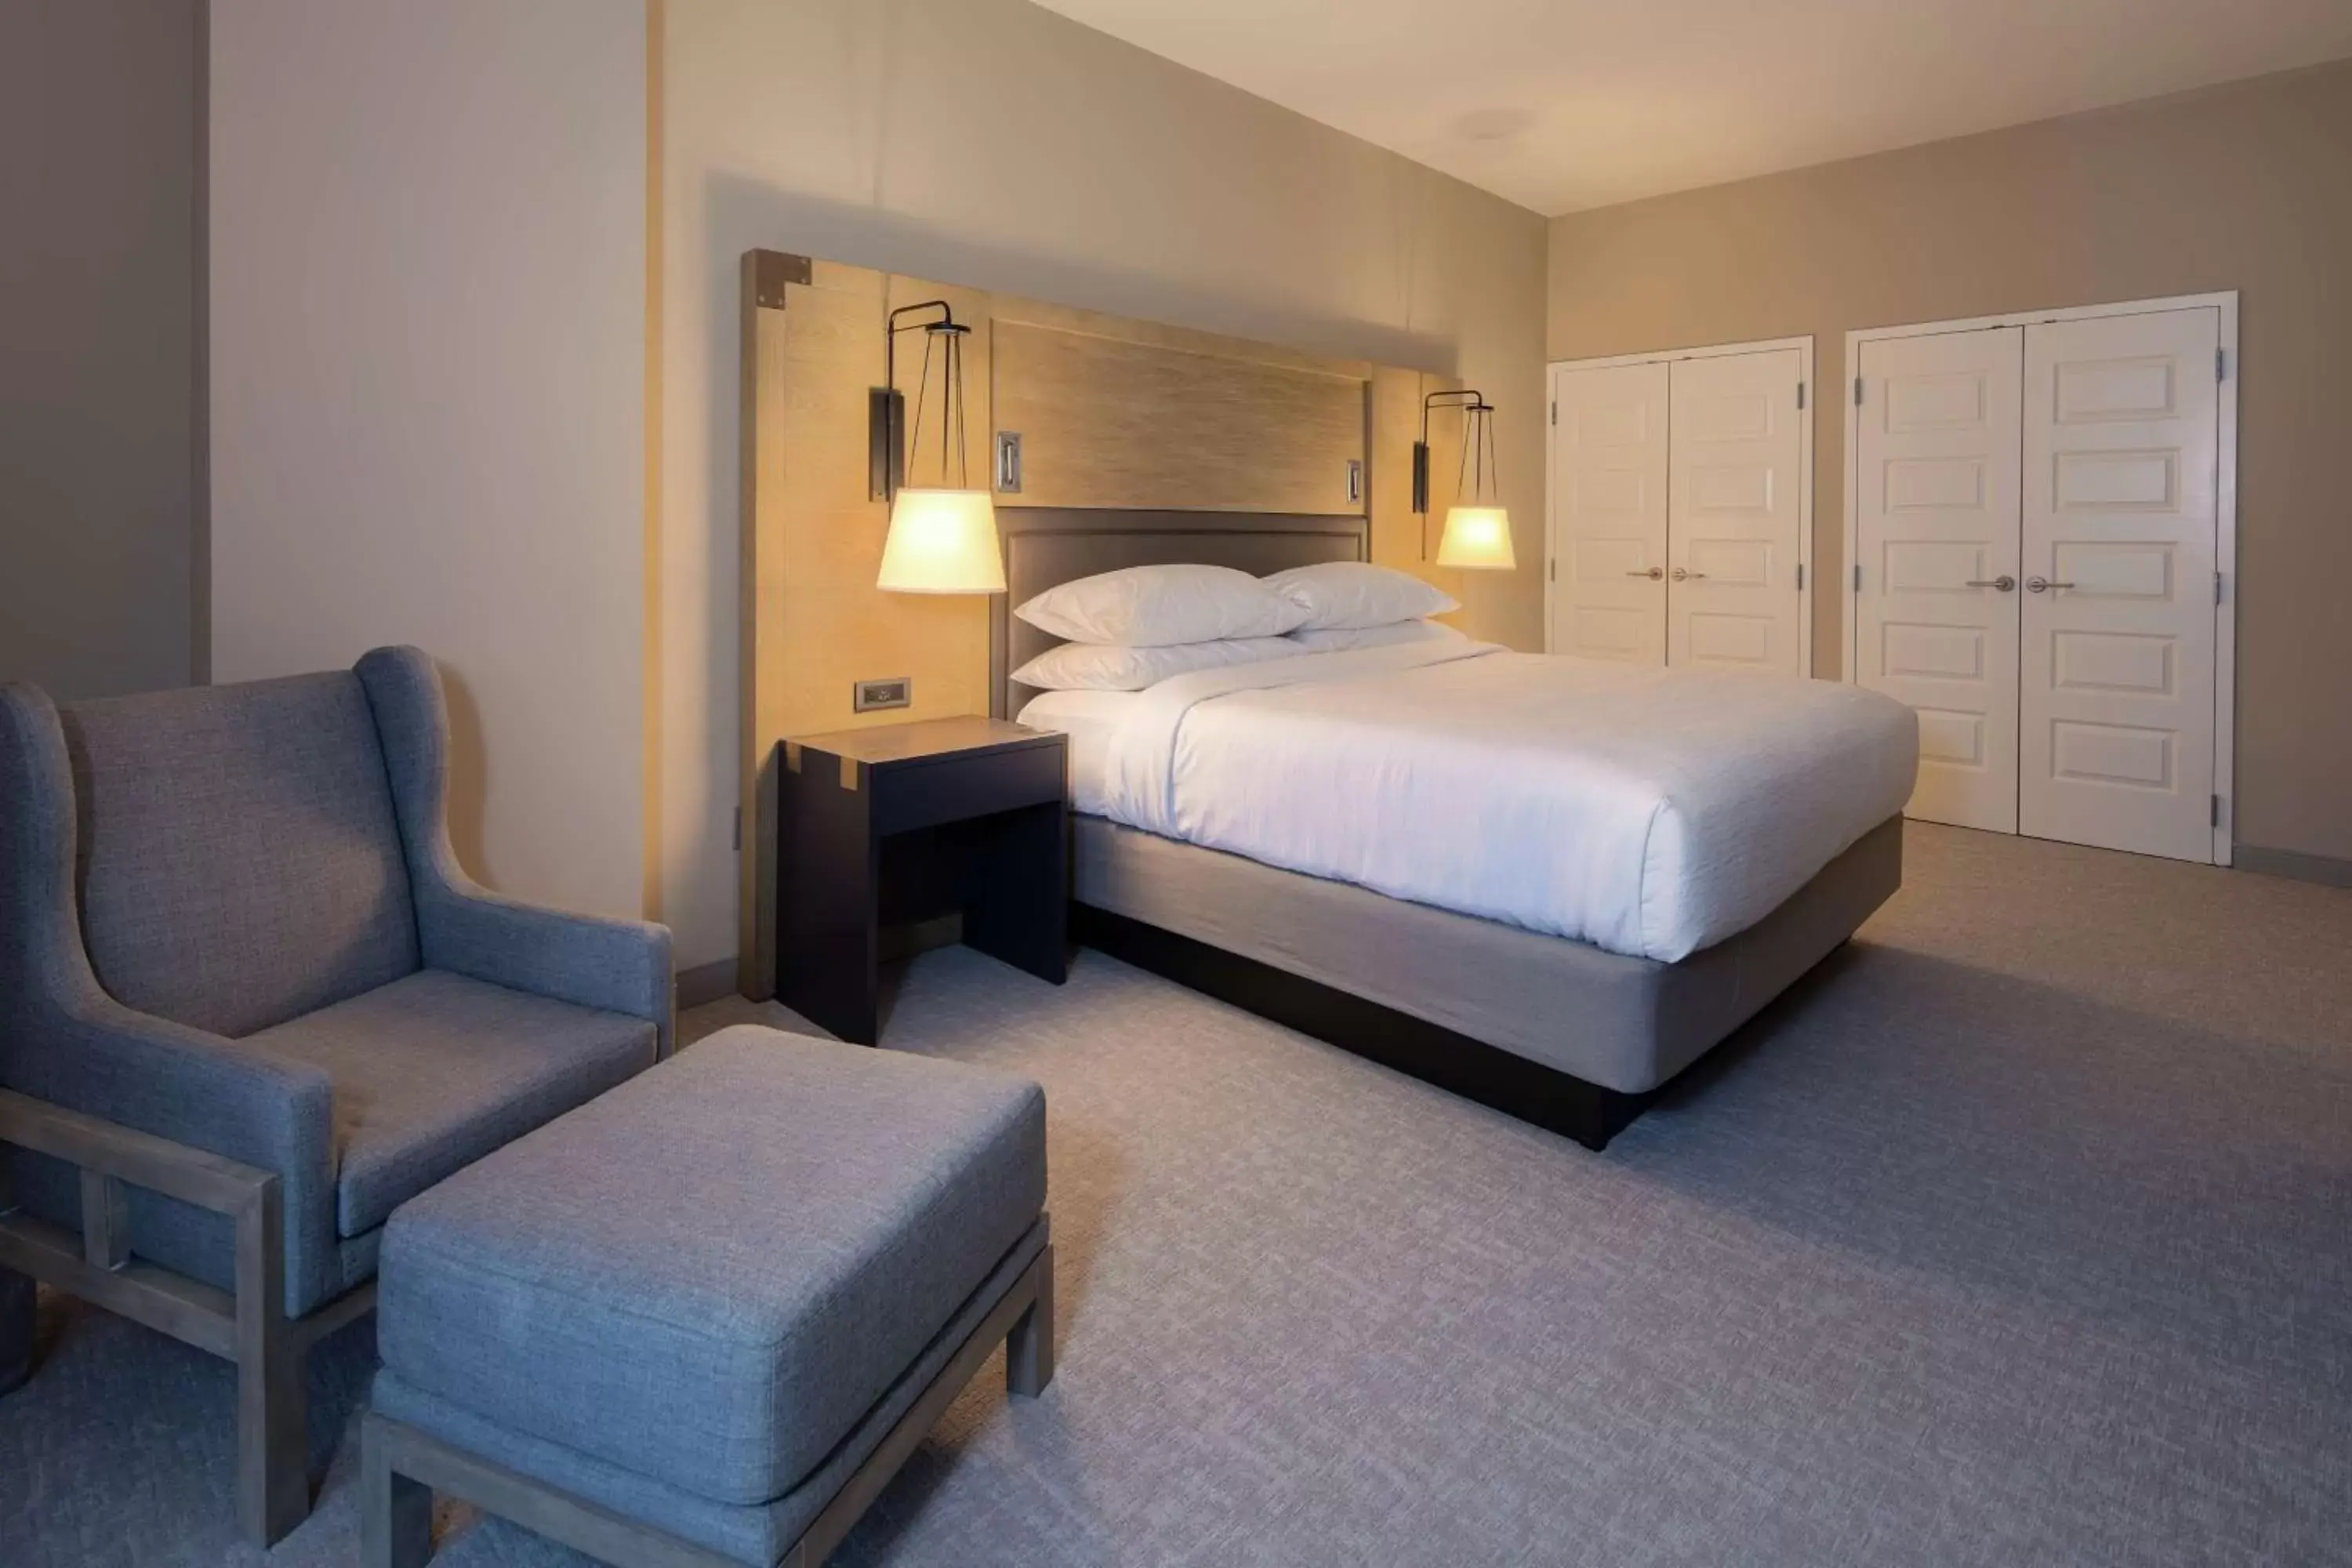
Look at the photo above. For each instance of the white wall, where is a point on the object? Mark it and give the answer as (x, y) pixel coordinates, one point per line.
(428, 335)
(992, 144)
(100, 139)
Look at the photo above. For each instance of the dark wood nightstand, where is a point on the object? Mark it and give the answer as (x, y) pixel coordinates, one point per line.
(887, 827)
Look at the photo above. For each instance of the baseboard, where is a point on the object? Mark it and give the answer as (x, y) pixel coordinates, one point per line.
(2325, 869)
(706, 983)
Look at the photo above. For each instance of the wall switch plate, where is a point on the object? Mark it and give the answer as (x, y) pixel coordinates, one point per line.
(896, 691)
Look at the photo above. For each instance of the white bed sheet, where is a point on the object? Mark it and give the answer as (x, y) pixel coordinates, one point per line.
(1650, 812)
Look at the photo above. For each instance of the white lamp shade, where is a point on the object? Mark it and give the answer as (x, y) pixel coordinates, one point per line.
(942, 541)
(1477, 537)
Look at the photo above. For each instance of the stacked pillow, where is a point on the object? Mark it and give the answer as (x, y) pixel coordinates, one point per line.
(1131, 628)
(1354, 603)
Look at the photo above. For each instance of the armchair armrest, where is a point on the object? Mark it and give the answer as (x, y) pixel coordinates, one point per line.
(621, 966)
(103, 1059)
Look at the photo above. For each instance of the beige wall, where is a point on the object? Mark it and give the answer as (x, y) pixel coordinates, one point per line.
(100, 128)
(2247, 188)
(991, 143)
(428, 276)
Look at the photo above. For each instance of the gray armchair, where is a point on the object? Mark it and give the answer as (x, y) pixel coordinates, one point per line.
(249, 1004)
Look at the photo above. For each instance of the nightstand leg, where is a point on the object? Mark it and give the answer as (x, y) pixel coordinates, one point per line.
(1019, 911)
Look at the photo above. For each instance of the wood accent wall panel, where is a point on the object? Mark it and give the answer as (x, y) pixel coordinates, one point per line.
(1114, 422)
(1113, 413)
(1400, 538)
(813, 622)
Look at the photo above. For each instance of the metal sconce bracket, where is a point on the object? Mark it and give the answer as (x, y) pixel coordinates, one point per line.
(1476, 410)
(885, 406)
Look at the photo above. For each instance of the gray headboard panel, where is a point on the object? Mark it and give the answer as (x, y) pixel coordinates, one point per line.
(1047, 546)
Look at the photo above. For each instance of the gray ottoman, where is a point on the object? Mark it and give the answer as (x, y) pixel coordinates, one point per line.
(706, 1317)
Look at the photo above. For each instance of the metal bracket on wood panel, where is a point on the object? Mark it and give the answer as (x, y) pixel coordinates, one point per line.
(770, 271)
(1857, 391)
(1800, 397)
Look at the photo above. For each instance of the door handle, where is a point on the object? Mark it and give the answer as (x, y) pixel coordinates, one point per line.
(2004, 583)
(1682, 576)
(1653, 574)
(2036, 584)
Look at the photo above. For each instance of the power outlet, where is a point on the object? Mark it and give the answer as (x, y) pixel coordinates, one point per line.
(896, 691)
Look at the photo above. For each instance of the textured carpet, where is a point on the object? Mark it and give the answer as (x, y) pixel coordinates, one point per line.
(2017, 1234)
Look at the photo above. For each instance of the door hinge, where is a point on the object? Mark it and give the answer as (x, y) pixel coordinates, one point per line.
(1857, 576)
(2217, 811)
(1551, 570)
(1857, 391)
(1800, 397)
(1555, 410)
(2217, 588)
(1801, 576)
(2221, 364)
(739, 827)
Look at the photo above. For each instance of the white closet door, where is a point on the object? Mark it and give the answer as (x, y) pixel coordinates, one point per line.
(1732, 597)
(1936, 514)
(2122, 441)
(1610, 464)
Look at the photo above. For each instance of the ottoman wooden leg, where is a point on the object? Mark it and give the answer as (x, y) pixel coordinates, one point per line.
(16, 1329)
(1029, 1348)
(395, 1512)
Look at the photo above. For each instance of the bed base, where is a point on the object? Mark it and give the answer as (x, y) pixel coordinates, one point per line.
(1556, 1102)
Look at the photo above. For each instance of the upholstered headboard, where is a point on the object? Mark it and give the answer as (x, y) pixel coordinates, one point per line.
(1047, 546)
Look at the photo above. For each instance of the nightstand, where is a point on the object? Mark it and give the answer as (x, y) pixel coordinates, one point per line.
(891, 829)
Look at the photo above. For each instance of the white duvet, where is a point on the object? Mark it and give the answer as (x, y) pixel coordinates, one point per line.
(1650, 812)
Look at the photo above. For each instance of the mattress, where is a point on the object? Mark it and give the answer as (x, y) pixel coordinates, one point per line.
(1650, 813)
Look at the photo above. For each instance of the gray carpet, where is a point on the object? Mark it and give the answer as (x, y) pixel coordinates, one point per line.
(2018, 1234)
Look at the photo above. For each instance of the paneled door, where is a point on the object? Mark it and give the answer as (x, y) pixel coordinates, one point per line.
(1610, 470)
(1936, 500)
(2122, 449)
(1735, 594)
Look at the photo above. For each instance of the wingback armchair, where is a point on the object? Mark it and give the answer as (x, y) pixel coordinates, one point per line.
(249, 1004)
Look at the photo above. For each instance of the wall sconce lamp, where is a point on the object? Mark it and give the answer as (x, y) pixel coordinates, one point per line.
(943, 538)
(1478, 529)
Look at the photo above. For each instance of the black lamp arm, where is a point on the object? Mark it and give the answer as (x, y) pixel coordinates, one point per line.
(1472, 400)
(886, 409)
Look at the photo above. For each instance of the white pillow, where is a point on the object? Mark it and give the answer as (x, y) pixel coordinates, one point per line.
(1154, 606)
(1105, 667)
(1358, 594)
(1339, 639)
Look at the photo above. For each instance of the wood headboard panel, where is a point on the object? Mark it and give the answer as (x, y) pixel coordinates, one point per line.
(1047, 546)
(1139, 442)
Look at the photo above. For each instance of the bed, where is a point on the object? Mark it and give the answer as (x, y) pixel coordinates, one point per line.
(1497, 916)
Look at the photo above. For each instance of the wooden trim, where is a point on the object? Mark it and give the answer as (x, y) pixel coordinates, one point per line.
(396, 1518)
(402, 1466)
(1557, 1101)
(2325, 869)
(189, 1310)
(174, 1170)
(834, 1521)
(248, 1325)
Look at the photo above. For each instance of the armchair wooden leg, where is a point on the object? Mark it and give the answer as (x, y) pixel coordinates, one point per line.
(395, 1511)
(273, 1441)
(1029, 1347)
(16, 1293)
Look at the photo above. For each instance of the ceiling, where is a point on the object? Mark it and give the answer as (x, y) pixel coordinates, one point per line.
(1560, 105)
